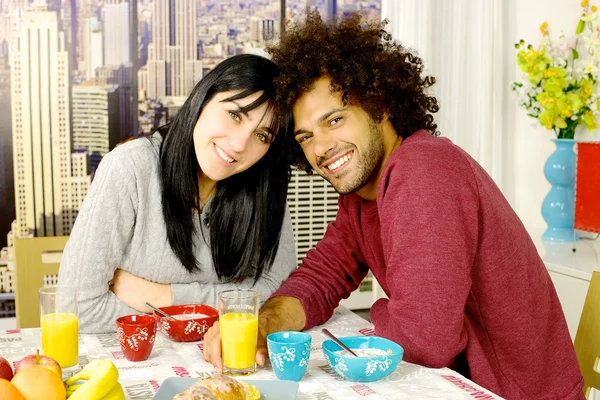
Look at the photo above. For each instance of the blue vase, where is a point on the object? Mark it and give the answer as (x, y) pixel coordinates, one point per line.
(558, 208)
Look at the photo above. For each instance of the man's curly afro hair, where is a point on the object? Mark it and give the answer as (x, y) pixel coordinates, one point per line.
(364, 64)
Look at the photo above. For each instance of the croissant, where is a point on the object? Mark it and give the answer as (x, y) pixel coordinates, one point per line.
(219, 387)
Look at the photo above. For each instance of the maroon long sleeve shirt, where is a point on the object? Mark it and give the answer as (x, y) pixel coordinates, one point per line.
(466, 286)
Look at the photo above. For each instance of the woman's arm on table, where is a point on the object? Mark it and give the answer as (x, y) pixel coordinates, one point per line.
(136, 291)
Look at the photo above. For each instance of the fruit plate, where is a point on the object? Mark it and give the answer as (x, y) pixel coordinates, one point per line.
(269, 390)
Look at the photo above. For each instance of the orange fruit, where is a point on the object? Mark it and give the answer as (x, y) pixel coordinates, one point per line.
(9, 392)
(39, 383)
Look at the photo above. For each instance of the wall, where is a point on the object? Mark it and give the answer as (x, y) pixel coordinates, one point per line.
(525, 183)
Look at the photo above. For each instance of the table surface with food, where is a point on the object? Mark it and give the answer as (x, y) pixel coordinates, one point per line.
(173, 367)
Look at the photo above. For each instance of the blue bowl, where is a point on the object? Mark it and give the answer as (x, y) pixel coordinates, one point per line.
(364, 368)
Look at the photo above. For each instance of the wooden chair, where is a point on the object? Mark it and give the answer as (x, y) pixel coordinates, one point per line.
(587, 340)
(34, 258)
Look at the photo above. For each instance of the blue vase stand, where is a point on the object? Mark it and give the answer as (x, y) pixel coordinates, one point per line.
(558, 207)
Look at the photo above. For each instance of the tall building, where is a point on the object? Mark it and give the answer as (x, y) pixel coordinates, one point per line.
(330, 9)
(5, 27)
(118, 67)
(262, 29)
(68, 16)
(96, 119)
(173, 50)
(121, 76)
(92, 45)
(7, 194)
(80, 179)
(89, 21)
(41, 124)
(116, 32)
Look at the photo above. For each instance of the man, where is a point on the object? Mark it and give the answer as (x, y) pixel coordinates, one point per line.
(466, 286)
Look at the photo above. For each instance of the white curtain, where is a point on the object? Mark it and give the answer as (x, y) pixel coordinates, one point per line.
(462, 46)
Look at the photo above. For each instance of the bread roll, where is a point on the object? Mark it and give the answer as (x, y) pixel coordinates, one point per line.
(195, 392)
(219, 387)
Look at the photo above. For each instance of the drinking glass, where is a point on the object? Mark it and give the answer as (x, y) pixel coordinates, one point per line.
(238, 321)
(59, 324)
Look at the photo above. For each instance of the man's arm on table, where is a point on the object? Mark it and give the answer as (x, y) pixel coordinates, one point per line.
(329, 273)
(280, 313)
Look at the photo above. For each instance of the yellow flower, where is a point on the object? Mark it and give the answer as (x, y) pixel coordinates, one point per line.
(544, 28)
(555, 72)
(547, 119)
(574, 100)
(584, 3)
(555, 85)
(587, 88)
(590, 121)
(594, 8)
(533, 63)
(546, 100)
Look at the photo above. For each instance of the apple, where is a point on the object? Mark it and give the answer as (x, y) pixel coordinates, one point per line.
(37, 359)
(6, 371)
(37, 382)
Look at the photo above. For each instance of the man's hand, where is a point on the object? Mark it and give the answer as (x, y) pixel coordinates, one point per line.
(135, 291)
(212, 347)
(279, 313)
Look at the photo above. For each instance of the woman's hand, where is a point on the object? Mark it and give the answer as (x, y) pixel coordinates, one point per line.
(135, 291)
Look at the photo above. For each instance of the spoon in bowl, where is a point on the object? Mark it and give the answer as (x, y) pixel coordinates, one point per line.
(161, 312)
(335, 339)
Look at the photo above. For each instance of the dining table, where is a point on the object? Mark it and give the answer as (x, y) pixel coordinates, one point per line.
(141, 380)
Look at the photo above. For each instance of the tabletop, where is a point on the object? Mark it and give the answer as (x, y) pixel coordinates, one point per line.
(141, 380)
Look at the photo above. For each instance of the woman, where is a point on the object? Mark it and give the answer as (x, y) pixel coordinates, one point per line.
(198, 207)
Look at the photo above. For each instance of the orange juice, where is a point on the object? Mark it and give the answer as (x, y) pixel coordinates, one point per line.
(238, 338)
(60, 338)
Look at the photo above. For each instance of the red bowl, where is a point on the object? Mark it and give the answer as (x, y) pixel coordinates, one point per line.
(186, 329)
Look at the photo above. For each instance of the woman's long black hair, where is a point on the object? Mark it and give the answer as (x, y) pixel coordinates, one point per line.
(247, 211)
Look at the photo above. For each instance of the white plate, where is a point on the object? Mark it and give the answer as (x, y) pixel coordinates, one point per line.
(269, 390)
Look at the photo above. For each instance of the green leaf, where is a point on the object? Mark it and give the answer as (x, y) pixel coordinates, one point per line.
(580, 27)
(575, 54)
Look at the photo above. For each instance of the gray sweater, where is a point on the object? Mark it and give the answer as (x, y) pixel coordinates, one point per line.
(121, 225)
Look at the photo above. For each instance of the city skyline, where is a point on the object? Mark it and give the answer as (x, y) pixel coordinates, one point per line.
(74, 70)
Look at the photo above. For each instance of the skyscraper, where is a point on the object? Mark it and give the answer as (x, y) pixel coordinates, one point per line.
(173, 50)
(116, 32)
(121, 76)
(330, 9)
(40, 97)
(96, 119)
(262, 29)
(92, 45)
(68, 16)
(117, 39)
(80, 179)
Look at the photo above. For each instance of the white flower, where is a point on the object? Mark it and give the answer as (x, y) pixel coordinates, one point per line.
(590, 68)
(587, 17)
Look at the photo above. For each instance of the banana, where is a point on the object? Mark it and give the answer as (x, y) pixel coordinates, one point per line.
(71, 389)
(116, 393)
(101, 380)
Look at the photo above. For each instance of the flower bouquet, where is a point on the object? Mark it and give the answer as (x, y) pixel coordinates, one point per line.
(557, 86)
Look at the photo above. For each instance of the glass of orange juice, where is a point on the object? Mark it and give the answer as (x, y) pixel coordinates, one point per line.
(59, 324)
(238, 322)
